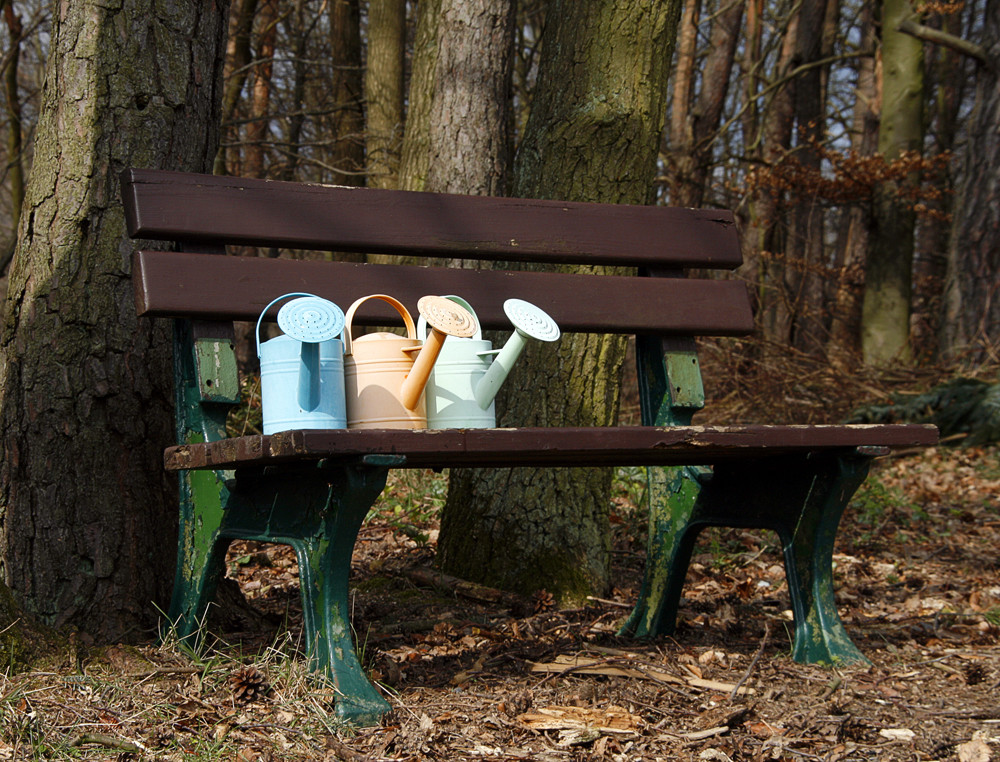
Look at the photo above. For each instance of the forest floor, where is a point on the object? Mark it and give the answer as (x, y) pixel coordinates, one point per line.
(917, 571)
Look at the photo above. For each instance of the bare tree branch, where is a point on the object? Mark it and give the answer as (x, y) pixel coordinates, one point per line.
(939, 37)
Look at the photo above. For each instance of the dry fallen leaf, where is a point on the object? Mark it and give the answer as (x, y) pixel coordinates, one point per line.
(975, 750)
(897, 734)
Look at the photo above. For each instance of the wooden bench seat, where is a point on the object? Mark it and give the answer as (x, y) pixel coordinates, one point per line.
(554, 447)
(311, 489)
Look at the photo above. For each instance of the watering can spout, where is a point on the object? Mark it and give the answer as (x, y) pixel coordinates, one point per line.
(529, 322)
(308, 392)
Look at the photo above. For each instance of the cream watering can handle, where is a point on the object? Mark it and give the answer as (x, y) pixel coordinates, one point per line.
(411, 331)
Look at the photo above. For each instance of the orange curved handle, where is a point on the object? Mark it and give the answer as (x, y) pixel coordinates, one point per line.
(411, 330)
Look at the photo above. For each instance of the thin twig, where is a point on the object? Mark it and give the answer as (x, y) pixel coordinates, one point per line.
(609, 603)
(830, 688)
(110, 742)
(753, 661)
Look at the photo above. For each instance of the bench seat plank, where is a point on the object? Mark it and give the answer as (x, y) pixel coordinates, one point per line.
(545, 447)
(185, 207)
(176, 284)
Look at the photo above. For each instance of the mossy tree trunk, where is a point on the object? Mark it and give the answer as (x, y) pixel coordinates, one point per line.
(87, 514)
(885, 316)
(592, 135)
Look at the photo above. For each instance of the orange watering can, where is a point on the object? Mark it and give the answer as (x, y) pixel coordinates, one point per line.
(385, 374)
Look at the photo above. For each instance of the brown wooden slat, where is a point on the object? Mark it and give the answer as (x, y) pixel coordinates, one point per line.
(603, 446)
(172, 284)
(187, 207)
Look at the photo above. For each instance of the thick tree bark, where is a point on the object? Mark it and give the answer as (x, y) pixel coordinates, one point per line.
(384, 90)
(971, 325)
(86, 511)
(885, 328)
(468, 115)
(595, 125)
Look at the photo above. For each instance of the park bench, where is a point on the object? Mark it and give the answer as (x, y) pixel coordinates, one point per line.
(311, 489)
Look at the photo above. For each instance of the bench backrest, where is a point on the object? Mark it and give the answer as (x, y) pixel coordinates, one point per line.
(635, 257)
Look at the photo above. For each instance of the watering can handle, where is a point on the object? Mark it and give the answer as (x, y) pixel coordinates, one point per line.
(422, 322)
(411, 331)
(273, 302)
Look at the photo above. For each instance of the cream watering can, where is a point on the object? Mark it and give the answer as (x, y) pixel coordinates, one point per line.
(302, 372)
(469, 372)
(385, 374)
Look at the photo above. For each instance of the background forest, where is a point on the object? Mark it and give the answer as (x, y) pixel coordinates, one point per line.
(839, 131)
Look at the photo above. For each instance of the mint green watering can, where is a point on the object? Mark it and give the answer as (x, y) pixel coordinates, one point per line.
(468, 374)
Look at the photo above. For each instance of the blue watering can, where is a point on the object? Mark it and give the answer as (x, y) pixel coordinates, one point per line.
(302, 371)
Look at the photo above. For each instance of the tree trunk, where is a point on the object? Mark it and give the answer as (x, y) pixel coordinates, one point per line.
(384, 90)
(971, 326)
(885, 327)
(87, 514)
(805, 249)
(678, 152)
(946, 79)
(238, 57)
(845, 329)
(347, 123)
(258, 124)
(15, 130)
(716, 76)
(747, 215)
(774, 311)
(415, 160)
(593, 132)
(298, 29)
(468, 114)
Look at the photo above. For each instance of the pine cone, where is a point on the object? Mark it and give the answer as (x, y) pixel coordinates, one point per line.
(543, 600)
(248, 684)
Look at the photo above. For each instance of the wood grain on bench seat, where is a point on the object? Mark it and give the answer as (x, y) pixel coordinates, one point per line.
(546, 447)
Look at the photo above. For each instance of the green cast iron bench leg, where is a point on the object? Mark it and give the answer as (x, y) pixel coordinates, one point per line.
(802, 499)
(316, 509)
(201, 552)
(324, 569)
